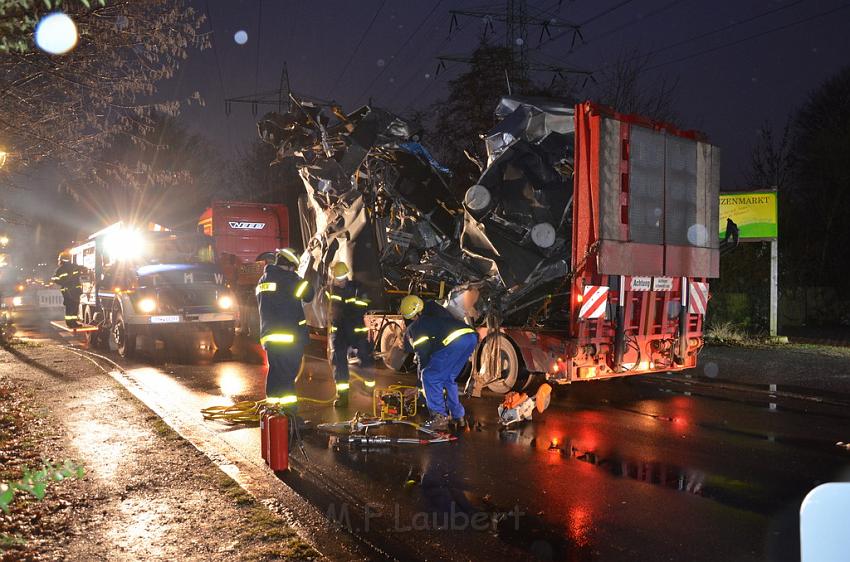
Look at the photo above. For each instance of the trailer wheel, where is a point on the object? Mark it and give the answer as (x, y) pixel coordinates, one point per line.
(123, 338)
(508, 364)
(223, 336)
(390, 347)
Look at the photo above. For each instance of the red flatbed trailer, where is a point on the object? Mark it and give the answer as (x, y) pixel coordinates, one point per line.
(644, 244)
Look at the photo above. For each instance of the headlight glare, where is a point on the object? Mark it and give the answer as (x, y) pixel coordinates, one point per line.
(146, 305)
(225, 302)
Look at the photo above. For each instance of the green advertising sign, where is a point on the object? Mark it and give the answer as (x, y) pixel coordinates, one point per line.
(755, 213)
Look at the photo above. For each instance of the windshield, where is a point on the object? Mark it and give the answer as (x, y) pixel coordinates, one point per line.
(179, 248)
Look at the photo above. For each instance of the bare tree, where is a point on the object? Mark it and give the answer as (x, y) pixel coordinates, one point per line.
(771, 162)
(624, 86)
(69, 108)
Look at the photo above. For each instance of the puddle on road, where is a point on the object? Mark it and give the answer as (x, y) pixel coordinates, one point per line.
(762, 496)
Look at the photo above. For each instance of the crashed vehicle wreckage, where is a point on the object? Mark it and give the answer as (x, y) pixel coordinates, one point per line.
(374, 194)
(582, 251)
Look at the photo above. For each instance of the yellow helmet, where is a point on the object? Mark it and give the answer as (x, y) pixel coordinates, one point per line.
(339, 270)
(289, 255)
(411, 305)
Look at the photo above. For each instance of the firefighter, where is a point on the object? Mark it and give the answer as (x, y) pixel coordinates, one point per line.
(348, 304)
(443, 345)
(67, 276)
(283, 329)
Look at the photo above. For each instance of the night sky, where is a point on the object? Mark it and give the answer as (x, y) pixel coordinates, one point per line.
(727, 92)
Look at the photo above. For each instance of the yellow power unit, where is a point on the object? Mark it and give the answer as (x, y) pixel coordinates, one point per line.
(395, 402)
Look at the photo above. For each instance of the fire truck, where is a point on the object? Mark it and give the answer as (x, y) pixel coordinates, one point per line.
(151, 282)
(241, 233)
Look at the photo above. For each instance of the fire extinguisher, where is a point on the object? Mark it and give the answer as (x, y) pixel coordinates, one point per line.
(274, 439)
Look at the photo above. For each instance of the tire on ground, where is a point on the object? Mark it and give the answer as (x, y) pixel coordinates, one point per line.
(123, 337)
(508, 363)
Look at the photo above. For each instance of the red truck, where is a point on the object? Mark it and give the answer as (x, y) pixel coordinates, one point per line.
(242, 232)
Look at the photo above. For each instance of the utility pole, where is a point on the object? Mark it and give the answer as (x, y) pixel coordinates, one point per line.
(279, 98)
(517, 21)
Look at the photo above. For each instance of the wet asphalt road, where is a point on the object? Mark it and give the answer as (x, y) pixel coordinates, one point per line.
(620, 470)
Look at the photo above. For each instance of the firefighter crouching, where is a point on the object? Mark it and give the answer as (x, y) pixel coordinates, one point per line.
(443, 345)
(348, 304)
(67, 276)
(283, 329)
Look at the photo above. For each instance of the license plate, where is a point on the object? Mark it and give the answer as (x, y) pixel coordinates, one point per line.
(164, 319)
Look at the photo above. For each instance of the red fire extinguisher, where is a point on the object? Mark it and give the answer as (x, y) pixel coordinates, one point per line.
(274, 439)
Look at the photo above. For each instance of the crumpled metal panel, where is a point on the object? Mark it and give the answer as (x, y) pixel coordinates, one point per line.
(376, 199)
(516, 225)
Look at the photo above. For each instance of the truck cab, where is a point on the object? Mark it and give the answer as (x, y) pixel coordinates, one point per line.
(152, 282)
(241, 232)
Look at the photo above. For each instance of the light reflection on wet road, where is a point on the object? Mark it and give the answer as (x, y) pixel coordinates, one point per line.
(613, 470)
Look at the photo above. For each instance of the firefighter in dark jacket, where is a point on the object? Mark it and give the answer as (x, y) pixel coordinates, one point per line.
(67, 276)
(348, 303)
(283, 329)
(443, 345)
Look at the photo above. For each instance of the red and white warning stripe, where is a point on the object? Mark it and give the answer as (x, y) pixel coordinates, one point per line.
(594, 298)
(698, 297)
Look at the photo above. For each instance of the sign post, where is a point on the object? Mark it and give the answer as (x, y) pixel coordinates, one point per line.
(757, 215)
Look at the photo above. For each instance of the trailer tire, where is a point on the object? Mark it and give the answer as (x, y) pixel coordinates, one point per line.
(123, 338)
(511, 367)
(388, 347)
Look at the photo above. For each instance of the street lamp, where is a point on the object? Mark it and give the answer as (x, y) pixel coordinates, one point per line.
(3, 155)
(4, 241)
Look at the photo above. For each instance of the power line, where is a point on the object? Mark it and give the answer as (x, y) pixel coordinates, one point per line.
(701, 35)
(715, 31)
(628, 24)
(215, 49)
(357, 48)
(750, 37)
(604, 13)
(218, 69)
(400, 49)
(259, 35)
(582, 24)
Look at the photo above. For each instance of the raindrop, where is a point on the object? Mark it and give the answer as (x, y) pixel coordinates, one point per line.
(392, 80)
(710, 369)
(381, 62)
(697, 235)
(56, 33)
(241, 37)
(519, 41)
(427, 75)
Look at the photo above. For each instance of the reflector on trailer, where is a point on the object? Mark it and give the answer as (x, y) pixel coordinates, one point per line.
(698, 297)
(594, 299)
